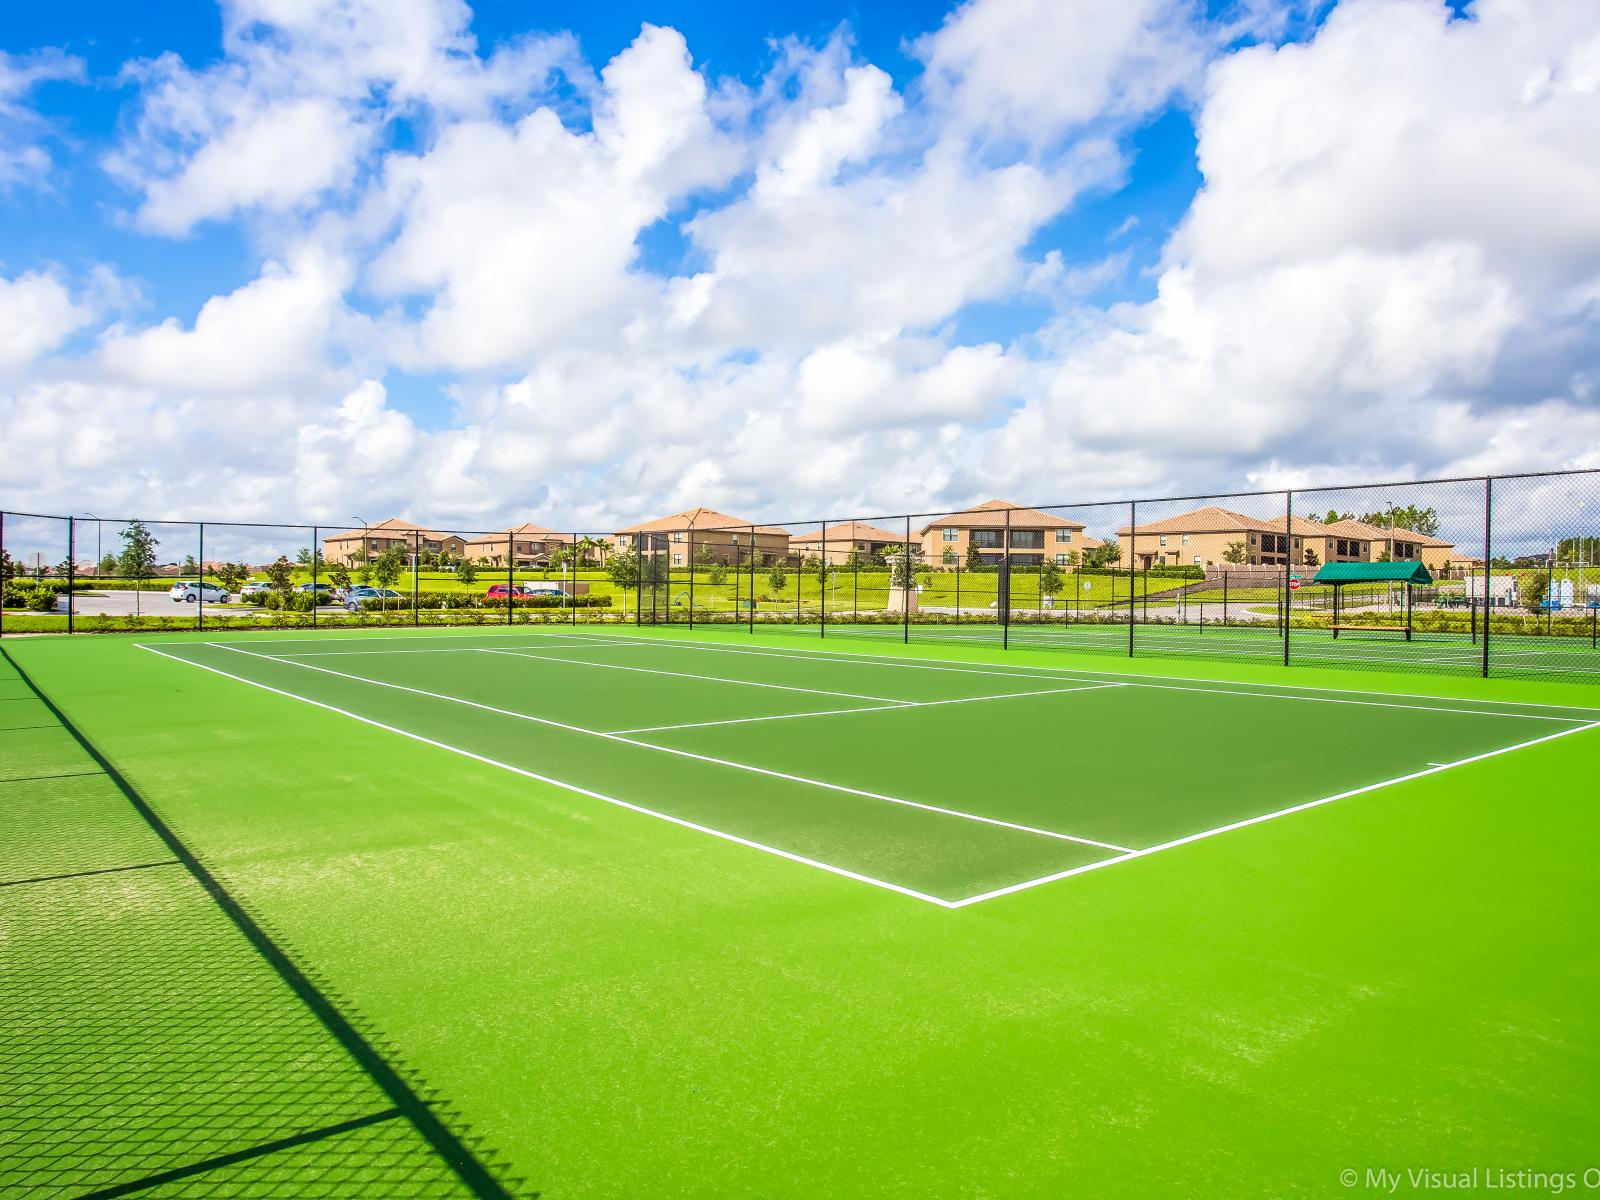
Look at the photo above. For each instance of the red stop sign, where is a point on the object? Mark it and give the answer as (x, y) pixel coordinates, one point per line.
(1294, 583)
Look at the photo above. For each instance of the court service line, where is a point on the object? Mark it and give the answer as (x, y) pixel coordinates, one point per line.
(706, 758)
(1087, 676)
(1282, 812)
(565, 786)
(889, 701)
(840, 712)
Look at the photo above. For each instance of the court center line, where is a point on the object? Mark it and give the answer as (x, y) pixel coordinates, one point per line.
(1142, 681)
(889, 701)
(705, 758)
(562, 784)
(1282, 812)
(840, 712)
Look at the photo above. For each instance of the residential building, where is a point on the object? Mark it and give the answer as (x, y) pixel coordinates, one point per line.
(348, 547)
(528, 545)
(1035, 536)
(1214, 537)
(1398, 543)
(836, 543)
(697, 534)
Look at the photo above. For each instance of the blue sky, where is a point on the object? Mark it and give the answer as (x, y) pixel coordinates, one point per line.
(472, 260)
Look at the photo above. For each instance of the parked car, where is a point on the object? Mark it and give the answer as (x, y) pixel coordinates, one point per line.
(500, 591)
(356, 597)
(324, 591)
(253, 589)
(191, 591)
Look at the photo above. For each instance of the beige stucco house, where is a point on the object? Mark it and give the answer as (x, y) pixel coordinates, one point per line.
(1035, 536)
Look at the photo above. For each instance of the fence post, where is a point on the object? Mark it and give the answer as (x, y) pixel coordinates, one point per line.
(200, 584)
(416, 574)
(1288, 567)
(511, 573)
(752, 579)
(1488, 564)
(4, 579)
(1133, 541)
(1004, 582)
(72, 567)
(316, 561)
(905, 592)
(691, 578)
(822, 585)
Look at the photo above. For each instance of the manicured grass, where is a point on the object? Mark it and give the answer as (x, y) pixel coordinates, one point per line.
(622, 1006)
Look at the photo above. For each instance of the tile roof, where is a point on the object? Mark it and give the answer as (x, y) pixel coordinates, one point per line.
(392, 525)
(1213, 518)
(991, 514)
(526, 530)
(699, 518)
(849, 531)
(1381, 533)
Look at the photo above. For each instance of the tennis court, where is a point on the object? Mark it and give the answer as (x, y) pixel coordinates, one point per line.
(607, 912)
(947, 782)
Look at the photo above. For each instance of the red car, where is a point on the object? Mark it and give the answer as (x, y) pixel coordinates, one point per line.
(501, 590)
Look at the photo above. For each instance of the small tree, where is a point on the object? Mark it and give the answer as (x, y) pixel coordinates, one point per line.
(948, 558)
(1236, 553)
(8, 568)
(389, 566)
(777, 577)
(281, 576)
(1533, 589)
(467, 572)
(339, 575)
(138, 558)
(1073, 559)
(1311, 558)
(303, 556)
(107, 565)
(624, 571)
(854, 560)
(1049, 579)
(231, 576)
(190, 567)
(899, 561)
(974, 559)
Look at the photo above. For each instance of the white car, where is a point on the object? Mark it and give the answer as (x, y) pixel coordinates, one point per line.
(191, 591)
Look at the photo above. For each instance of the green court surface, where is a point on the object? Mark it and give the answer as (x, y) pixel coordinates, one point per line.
(617, 912)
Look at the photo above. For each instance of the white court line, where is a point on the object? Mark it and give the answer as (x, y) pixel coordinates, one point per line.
(706, 758)
(781, 687)
(840, 712)
(359, 635)
(1059, 672)
(570, 787)
(1282, 812)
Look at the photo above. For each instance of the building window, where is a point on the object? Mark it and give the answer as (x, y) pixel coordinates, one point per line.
(1061, 560)
(1163, 539)
(1027, 560)
(1186, 539)
(948, 534)
(1028, 539)
(677, 535)
(677, 560)
(1195, 560)
(1064, 536)
(986, 538)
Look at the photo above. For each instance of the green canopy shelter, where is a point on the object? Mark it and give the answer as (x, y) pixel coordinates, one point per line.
(1412, 574)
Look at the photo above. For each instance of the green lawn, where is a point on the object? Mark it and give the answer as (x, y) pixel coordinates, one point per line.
(623, 1003)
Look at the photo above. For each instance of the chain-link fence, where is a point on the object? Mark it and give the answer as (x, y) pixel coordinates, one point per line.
(1489, 575)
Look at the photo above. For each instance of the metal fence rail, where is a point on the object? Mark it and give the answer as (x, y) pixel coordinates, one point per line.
(1513, 584)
